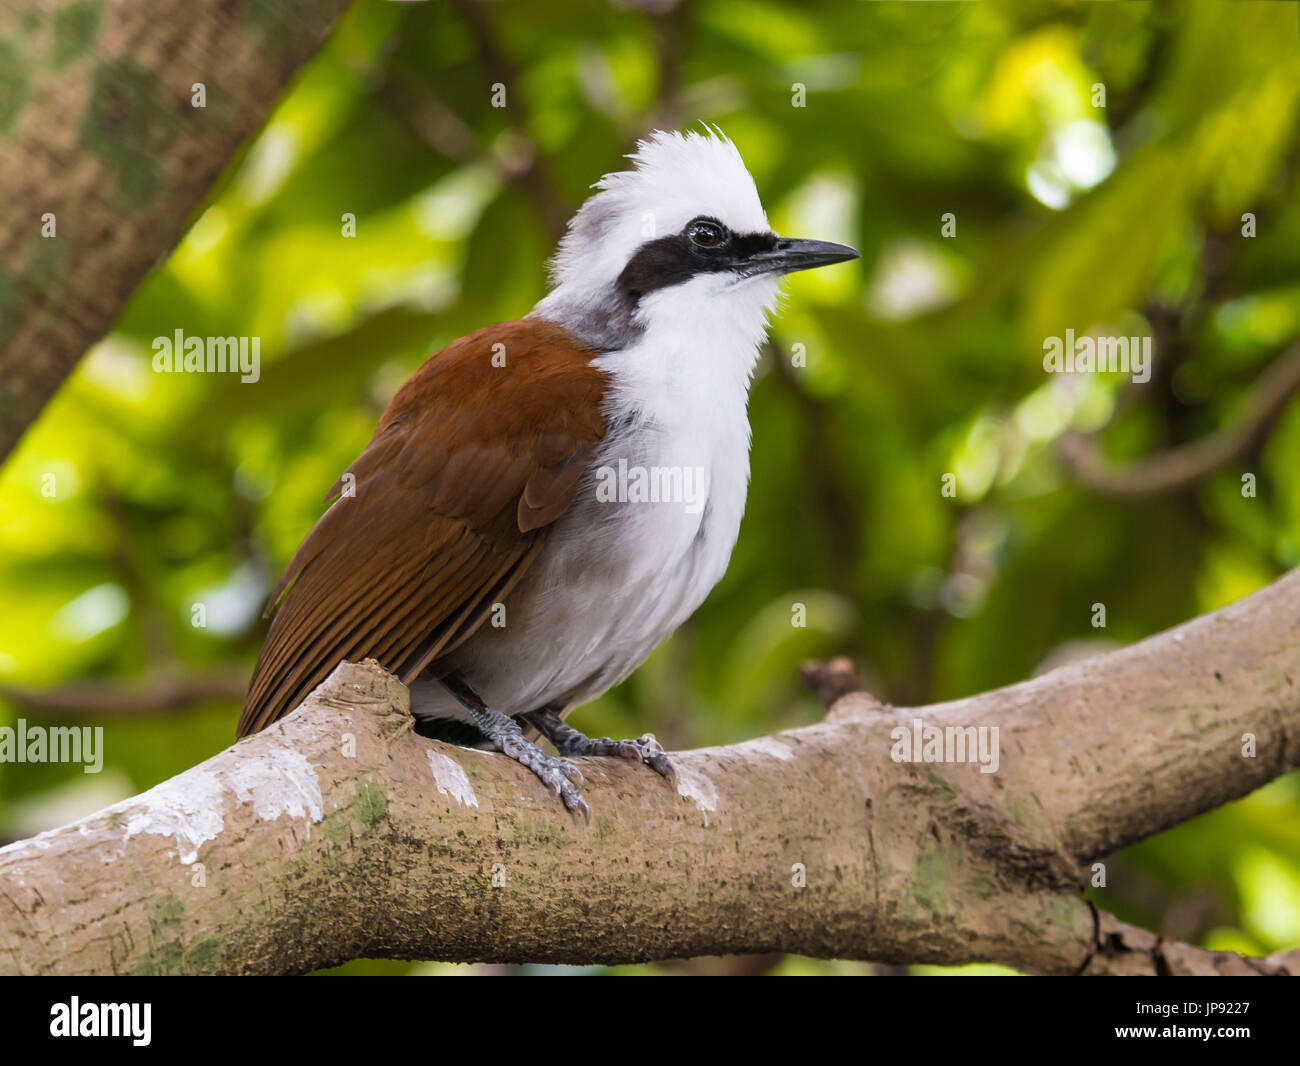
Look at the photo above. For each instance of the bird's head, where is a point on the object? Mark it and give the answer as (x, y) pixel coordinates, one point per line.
(679, 238)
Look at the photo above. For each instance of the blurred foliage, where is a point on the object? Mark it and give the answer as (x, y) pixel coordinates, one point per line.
(924, 358)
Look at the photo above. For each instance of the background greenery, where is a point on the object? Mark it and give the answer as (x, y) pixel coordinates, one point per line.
(924, 358)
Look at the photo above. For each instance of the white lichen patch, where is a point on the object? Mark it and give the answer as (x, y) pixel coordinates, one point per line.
(451, 780)
(693, 785)
(769, 746)
(279, 782)
(186, 808)
(191, 808)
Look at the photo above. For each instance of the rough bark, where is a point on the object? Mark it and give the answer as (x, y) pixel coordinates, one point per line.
(98, 130)
(339, 833)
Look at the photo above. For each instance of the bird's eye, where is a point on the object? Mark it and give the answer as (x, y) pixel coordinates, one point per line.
(705, 234)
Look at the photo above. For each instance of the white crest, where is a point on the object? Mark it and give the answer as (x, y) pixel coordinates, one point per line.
(675, 177)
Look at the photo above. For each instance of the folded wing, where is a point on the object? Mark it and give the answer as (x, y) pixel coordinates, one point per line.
(441, 515)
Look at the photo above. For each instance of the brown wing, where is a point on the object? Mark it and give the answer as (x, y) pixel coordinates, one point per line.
(443, 512)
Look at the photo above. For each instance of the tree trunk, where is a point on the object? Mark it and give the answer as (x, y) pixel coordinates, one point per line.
(104, 155)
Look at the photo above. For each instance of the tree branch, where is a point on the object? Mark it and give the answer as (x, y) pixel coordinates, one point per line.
(1184, 466)
(339, 833)
(164, 692)
(103, 139)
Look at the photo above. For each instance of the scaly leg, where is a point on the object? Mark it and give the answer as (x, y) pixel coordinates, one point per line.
(568, 741)
(561, 777)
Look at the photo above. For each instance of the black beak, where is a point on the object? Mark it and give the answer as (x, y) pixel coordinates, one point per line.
(789, 254)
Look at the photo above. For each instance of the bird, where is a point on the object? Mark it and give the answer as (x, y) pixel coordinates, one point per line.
(545, 500)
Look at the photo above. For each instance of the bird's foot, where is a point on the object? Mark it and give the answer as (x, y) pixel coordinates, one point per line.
(507, 736)
(559, 775)
(568, 741)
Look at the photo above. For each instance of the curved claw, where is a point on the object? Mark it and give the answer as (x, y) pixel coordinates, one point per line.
(645, 749)
(574, 802)
(653, 755)
(627, 749)
(558, 775)
(663, 766)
